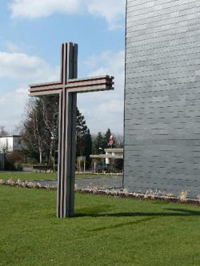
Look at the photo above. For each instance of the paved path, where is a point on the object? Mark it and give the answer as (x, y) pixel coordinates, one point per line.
(100, 183)
(25, 170)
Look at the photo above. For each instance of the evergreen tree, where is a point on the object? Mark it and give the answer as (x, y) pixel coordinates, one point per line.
(98, 144)
(107, 136)
(88, 145)
(84, 139)
(102, 142)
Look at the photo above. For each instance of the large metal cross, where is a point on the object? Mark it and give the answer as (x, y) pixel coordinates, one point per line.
(67, 90)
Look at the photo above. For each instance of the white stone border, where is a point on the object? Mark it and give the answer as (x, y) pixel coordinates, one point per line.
(149, 195)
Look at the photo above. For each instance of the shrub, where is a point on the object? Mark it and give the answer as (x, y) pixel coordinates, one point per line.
(13, 161)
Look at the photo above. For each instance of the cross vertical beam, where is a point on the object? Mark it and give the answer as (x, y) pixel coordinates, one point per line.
(67, 129)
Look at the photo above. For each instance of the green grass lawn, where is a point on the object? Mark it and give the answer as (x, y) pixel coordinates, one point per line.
(105, 231)
(26, 176)
(42, 176)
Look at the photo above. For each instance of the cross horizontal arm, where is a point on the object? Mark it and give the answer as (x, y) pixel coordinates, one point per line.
(100, 83)
(90, 84)
(45, 89)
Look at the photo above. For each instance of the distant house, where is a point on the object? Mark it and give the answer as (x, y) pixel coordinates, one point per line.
(114, 153)
(2, 161)
(110, 154)
(11, 143)
(109, 158)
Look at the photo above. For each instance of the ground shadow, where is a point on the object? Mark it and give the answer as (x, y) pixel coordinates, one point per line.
(145, 216)
(169, 212)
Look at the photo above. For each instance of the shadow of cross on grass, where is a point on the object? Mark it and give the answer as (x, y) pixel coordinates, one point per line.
(148, 216)
(97, 212)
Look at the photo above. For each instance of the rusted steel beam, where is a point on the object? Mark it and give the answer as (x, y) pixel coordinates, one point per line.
(90, 84)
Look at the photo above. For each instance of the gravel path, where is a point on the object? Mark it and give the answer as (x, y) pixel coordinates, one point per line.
(100, 183)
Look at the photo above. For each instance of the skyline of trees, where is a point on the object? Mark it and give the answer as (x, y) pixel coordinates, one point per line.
(39, 131)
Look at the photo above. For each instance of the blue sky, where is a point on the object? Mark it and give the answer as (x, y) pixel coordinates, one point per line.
(31, 36)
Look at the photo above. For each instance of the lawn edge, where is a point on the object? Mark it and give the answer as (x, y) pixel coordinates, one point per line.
(108, 193)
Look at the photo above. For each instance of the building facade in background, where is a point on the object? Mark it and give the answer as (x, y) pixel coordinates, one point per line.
(112, 159)
(2, 161)
(162, 96)
(10, 144)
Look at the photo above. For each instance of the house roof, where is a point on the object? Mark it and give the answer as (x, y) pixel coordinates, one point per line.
(11, 136)
(106, 156)
(114, 150)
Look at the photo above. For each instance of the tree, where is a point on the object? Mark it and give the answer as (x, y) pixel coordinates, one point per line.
(98, 144)
(88, 146)
(3, 132)
(50, 109)
(84, 139)
(34, 131)
(119, 140)
(107, 136)
(101, 141)
(40, 130)
(109, 139)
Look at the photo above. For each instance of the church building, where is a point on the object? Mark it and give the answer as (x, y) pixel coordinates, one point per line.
(162, 97)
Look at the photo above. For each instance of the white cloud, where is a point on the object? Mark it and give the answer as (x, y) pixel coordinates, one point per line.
(111, 10)
(105, 109)
(12, 106)
(102, 110)
(11, 47)
(23, 70)
(42, 8)
(22, 67)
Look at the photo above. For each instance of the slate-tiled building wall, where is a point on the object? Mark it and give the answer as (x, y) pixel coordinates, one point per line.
(162, 96)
